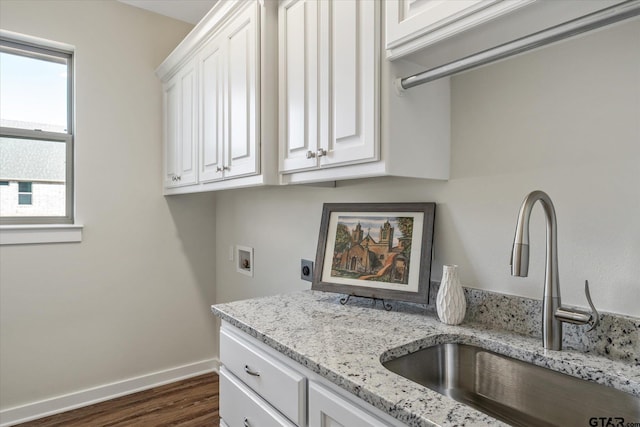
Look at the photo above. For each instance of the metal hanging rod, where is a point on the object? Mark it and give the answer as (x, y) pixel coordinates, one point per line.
(589, 22)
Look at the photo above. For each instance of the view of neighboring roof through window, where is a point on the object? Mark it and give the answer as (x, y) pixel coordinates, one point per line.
(36, 141)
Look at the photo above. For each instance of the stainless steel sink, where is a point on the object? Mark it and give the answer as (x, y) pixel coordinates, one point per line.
(513, 391)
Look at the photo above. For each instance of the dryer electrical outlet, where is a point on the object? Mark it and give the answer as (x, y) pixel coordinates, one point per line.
(306, 270)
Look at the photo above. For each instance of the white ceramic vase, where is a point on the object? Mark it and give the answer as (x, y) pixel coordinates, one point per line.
(450, 302)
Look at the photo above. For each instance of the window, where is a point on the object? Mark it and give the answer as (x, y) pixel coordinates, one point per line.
(36, 139)
(25, 193)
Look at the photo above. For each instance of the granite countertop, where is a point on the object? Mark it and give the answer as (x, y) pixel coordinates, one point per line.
(345, 344)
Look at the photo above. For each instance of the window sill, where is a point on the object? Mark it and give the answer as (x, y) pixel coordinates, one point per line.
(40, 233)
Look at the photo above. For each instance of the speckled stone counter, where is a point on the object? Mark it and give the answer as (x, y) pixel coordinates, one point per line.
(346, 344)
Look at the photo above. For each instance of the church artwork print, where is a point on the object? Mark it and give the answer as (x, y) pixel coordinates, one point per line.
(373, 248)
(377, 250)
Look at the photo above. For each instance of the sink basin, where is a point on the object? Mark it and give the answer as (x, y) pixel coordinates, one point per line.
(513, 391)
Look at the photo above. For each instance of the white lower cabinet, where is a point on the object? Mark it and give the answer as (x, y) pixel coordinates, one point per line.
(261, 387)
(241, 407)
(282, 386)
(328, 409)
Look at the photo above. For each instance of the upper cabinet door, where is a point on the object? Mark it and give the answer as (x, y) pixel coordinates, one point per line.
(348, 82)
(298, 76)
(242, 153)
(211, 111)
(181, 132)
(170, 98)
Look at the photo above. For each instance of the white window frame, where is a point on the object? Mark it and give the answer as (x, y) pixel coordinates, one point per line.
(56, 229)
(50, 51)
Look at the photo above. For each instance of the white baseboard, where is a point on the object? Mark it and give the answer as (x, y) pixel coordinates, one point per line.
(56, 405)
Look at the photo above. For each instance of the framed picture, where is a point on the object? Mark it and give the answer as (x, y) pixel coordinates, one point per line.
(376, 250)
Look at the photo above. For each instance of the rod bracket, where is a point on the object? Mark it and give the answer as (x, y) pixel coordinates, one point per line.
(397, 84)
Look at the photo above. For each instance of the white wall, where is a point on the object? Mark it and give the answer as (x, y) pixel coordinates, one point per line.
(565, 119)
(134, 297)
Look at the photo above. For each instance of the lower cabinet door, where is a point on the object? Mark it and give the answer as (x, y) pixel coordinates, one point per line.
(241, 407)
(328, 409)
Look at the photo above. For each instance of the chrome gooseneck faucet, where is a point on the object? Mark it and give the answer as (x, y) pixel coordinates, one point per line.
(553, 314)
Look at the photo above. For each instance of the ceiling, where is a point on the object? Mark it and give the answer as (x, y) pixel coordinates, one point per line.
(185, 10)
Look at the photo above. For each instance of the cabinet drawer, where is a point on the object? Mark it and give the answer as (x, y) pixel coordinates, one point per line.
(241, 407)
(280, 385)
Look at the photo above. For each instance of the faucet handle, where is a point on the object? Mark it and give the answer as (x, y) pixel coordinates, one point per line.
(579, 317)
(595, 317)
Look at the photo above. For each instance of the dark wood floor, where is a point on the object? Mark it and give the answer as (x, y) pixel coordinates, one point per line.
(189, 403)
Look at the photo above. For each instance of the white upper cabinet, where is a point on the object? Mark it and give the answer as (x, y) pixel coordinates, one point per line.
(232, 56)
(340, 117)
(266, 92)
(180, 131)
(328, 83)
(435, 32)
(414, 24)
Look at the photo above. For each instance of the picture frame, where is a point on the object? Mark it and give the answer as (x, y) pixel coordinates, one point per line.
(376, 250)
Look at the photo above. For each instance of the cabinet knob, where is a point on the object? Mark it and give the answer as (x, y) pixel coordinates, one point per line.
(321, 152)
(246, 423)
(218, 169)
(310, 154)
(226, 168)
